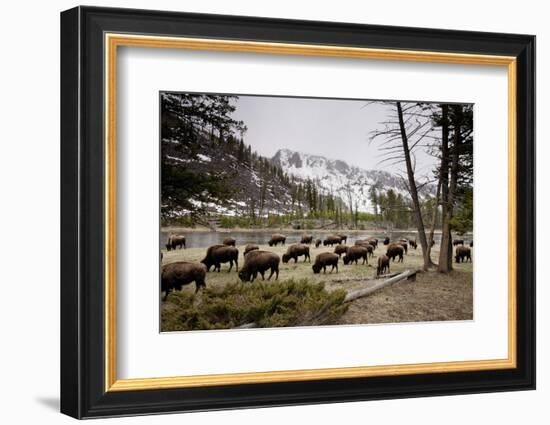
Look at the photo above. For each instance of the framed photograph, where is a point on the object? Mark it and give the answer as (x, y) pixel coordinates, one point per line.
(261, 212)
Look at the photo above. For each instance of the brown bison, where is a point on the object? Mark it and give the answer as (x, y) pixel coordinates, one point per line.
(317, 243)
(413, 244)
(463, 254)
(277, 239)
(175, 275)
(458, 242)
(405, 247)
(229, 241)
(471, 244)
(295, 251)
(395, 250)
(306, 239)
(250, 247)
(367, 244)
(174, 241)
(217, 254)
(383, 265)
(323, 260)
(355, 253)
(259, 262)
(386, 241)
(341, 249)
(343, 238)
(332, 240)
(373, 241)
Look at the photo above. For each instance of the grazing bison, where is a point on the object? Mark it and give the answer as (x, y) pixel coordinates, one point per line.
(175, 275)
(463, 254)
(383, 265)
(355, 253)
(174, 241)
(373, 241)
(340, 249)
(367, 243)
(332, 240)
(323, 260)
(217, 254)
(250, 247)
(306, 239)
(229, 241)
(458, 242)
(343, 238)
(259, 262)
(317, 243)
(395, 250)
(405, 247)
(413, 244)
(295, 251)
(471, 244)
(386, 241)
(277, 239)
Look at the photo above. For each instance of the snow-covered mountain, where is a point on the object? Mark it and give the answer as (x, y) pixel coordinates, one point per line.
(338, 177)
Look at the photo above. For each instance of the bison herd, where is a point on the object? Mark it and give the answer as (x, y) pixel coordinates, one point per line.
(256, 261)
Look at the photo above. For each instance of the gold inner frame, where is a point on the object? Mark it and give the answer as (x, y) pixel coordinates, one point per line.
(113, 41)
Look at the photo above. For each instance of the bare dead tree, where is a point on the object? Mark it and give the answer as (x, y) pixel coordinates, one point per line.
(407, 129)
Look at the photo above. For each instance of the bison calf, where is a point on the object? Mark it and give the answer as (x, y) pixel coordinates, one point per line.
(323, 260)
(383, 265)
(259, 262)
(295, 251)
(175, 275)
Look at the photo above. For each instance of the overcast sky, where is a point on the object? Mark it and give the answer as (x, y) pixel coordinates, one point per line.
(337, 129)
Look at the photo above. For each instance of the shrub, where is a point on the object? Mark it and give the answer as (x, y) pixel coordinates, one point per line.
(288, 303)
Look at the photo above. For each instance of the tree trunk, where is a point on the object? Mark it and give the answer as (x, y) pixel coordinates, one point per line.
(445, 249)
(434, 217)
(413, 190)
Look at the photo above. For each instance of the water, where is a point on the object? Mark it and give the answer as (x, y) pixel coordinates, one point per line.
(205, 239)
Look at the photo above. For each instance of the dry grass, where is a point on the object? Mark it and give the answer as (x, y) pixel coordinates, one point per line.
(432, 297)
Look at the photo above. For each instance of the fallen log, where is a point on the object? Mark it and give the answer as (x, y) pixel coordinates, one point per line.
(407, 274)
(387, 276)
(247, 326)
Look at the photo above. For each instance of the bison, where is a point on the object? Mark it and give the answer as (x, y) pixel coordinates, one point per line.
(306, 239)
(341, 249)
(463, 254)
(317, 243)
(413, 244)
(229, 241)
(373, 241)
(217, 254)
(458, 242)
(277, 239)
(395, 250)
(383, 265)
(332, 240)
(386, 241)
(174, 241)
(471, 244)
(355, 253)
(250, 247)
(295, 251)
(343, 238)
(368, 244)
(405, 247)
(323, 260)
(175, 275)
(259, 262)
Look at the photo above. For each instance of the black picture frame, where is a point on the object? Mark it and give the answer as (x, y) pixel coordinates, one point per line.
(83, 392)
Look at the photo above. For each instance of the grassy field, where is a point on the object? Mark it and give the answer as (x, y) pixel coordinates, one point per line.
(432, 297)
